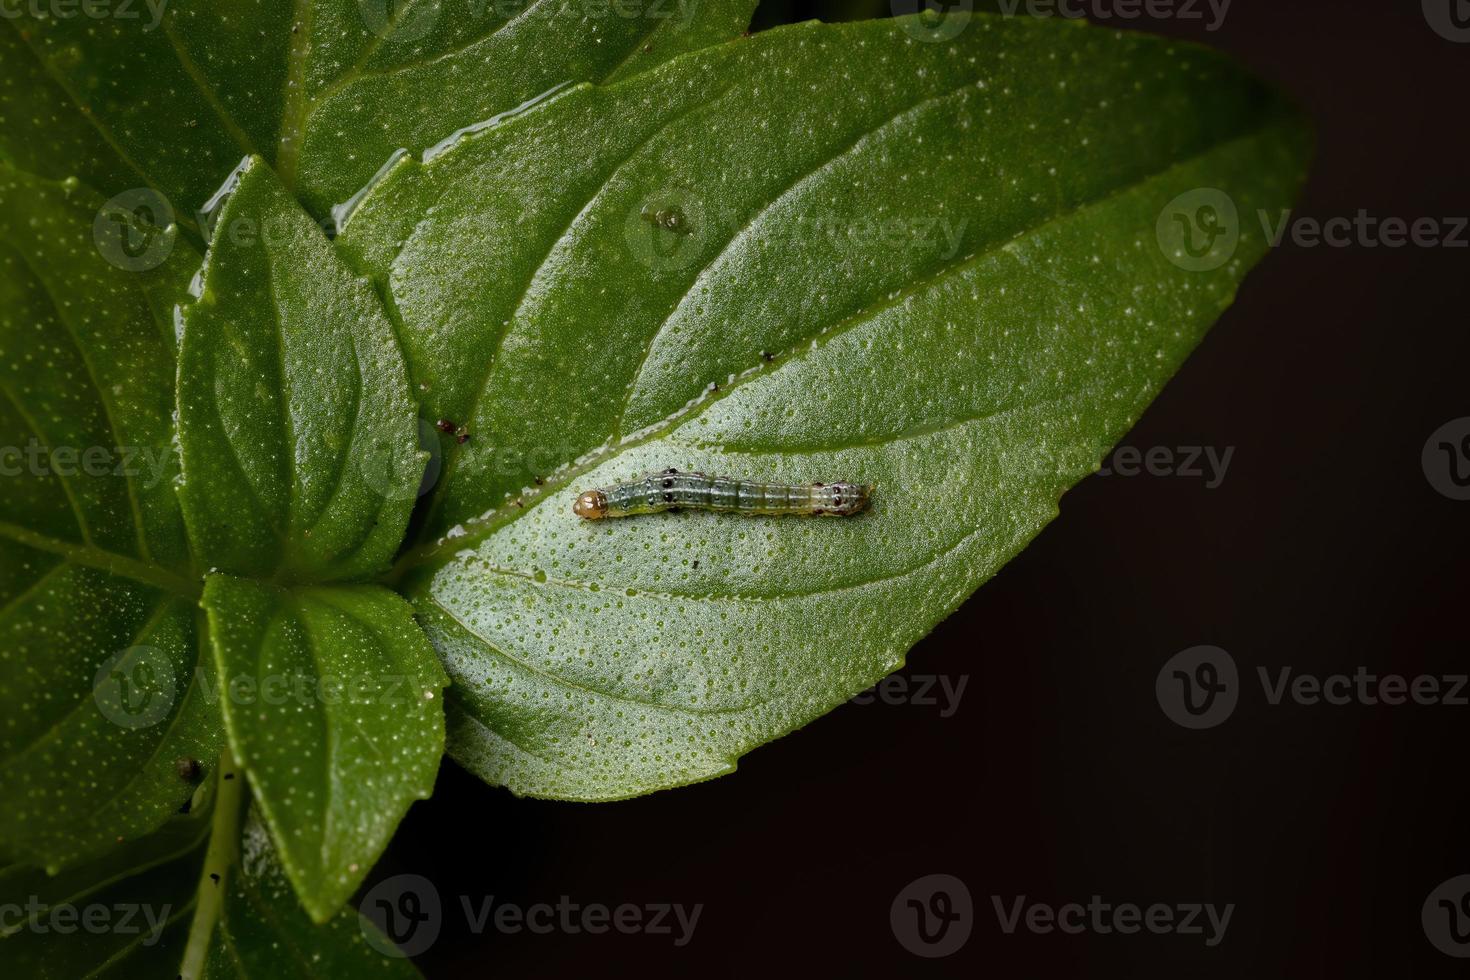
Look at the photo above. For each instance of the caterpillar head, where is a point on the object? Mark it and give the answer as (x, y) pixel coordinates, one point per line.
(591, 506)
(846, 499)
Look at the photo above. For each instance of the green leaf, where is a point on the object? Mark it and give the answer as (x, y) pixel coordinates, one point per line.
(45, 132)
(153, 908)
(141, 895)
(174, 94)
(472, 61)
(298, 434)
(301, 465)
(263, 933)
(334, 710)
(936, 267)
(104, 691)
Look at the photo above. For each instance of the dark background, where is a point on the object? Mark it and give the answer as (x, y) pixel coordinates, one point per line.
(1058, 776)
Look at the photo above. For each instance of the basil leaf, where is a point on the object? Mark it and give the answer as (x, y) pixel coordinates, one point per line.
(949, 269)
(472, 60)
(104, 692)
(334, 710)
(180, 903)
(300, 466)
(298, 434)
(141, 897)
(326, 90)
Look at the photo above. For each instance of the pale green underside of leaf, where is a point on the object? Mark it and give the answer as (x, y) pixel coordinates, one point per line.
(326, 90)
(259, 932)
(972, 377)
(93, 566)
(335, 711)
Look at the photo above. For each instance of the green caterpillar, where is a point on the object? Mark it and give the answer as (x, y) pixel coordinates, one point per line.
(672, 490)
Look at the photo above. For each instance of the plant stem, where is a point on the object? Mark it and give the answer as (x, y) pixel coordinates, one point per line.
(224, 842)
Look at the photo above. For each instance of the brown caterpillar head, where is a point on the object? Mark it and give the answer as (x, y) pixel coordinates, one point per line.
(591, 506)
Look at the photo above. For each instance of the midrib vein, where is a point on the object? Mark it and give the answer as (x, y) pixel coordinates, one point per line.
(206, 90)
(297, 105)
(478, 529)
(106, 561)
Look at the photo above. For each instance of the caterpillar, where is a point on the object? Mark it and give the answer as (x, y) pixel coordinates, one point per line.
(672, 490)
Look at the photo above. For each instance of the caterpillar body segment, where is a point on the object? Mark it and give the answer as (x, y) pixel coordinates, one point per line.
(672, 490)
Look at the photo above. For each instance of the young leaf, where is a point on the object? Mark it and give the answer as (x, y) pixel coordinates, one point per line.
(182, 902)
(324, 89)
(104, 693)
(334, 710)
(298, 434)
(262, 933)
(950, 269)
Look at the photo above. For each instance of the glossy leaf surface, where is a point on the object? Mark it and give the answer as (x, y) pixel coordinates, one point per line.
(950, 269)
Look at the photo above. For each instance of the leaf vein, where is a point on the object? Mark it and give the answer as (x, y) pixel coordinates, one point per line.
(109, 410)
(793, 187)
